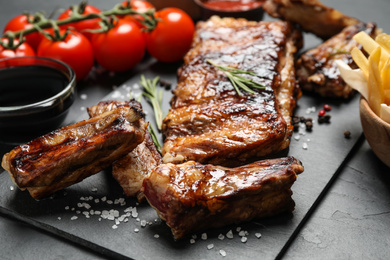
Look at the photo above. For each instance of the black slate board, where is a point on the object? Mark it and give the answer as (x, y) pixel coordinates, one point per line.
(326, 152)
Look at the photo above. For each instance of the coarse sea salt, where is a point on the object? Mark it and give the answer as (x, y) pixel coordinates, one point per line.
(222, 252)
(210, 246)
(229, 234)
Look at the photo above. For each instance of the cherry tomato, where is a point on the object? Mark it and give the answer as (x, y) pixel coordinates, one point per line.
(81, 26)
(172, 37)
(121, 48)
(22, 50)
(75, 50)
(22, 22)
(139, 6)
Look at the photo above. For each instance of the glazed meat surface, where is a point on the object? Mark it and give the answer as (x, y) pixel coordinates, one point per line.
(70, 154)
(312, 15)
(317, 70)
(192, 197)
(208, 121)
(131, 169)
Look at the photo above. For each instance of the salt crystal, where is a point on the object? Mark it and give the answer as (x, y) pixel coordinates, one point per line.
(244, 239)
(94, 189)
(204, 236)
(143, 223)
(98, 212)
(134, 213)
(73, 218)
(97, 200)
(109, 202)
(78, 211)
(59, 218)
(92, 212)
(82, 108)
(258, 235)
(222, 252)
(238, 229)
(221, 237)
(297, 137)
(104, 199)
(126, 220)
(114, 227)
(304, 146)
(156, 235)
(210, 246)
(117, 222)
(229, 234)
(242, 233)
(83, 96)
(79, 205)
(11, 187)
(136, 230)
(192, 241)
(66, 207)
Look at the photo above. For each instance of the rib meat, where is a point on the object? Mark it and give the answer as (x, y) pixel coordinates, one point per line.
(131, 169)
(317, 70)
(208, 121)
(70, 154)
(192, 197)
(312, 15)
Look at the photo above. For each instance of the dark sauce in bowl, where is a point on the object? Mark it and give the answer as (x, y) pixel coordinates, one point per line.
(28, 85)
(35, 96)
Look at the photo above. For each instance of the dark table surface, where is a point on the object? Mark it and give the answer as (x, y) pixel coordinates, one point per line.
(351, 218)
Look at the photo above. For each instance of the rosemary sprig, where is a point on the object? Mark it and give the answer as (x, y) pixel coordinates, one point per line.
(237, 80)
(337, 52)
(154, 96)
(155, 138)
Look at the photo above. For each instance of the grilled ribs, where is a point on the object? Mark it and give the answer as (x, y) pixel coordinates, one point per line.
(317, 70)
(208, 121)
(131, 169)
(72, 153)
(192, 197)
(312, 15)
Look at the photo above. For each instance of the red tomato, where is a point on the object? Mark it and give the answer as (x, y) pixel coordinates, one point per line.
(139, 6)
(172, 37)
(22, 50)
(82, 25)
(75, 50)
(22, 22)
(121, 48)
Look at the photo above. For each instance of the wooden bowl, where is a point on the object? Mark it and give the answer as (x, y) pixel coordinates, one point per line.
(376, 131)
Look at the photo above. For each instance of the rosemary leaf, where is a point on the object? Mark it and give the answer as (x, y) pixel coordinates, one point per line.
(154, 138)
(239, 81)
(154, 96)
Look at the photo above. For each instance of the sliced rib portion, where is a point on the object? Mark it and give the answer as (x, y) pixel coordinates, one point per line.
(312, 15)
(317, 70)
(70, 154)
(131, 169)
(192, 197)
(208, 120)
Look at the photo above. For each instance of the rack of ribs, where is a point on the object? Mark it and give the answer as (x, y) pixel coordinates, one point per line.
(312, 16)
(208, 121)
(70, 154)
(317, 70)
(131, 169)
(192, 197)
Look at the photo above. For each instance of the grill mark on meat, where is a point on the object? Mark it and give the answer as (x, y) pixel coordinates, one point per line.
(131, 169)
(317, 70)
(70, 154)
(208, 121)
(191, 197)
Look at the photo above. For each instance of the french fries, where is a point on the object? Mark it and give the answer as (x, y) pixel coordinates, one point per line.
(376, 68)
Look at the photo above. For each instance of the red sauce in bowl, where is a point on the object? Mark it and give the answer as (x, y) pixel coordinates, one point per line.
(232, 5)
